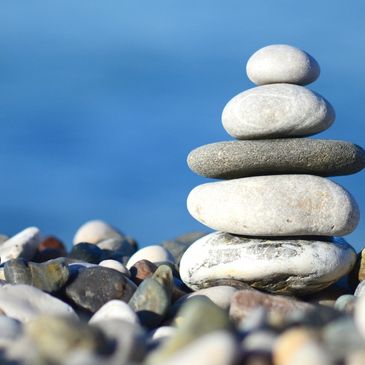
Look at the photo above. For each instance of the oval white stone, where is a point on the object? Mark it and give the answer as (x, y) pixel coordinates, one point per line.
(116, 265)
(275, 205)
(278, 110)
(281, 63)
(153, 253)
(115, 309)
(287, 265)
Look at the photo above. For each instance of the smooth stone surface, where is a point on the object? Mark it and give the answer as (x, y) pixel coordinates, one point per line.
(245, 301)
(346, 303)
(275, 205)
(115, 265)
(286, 265)
(163, 332)
(153, 253)
(10, 330)
(119, 245)
(95, 231)
(359, 315)
(219, 295)
(198, 317)
(25, 303)
(141, 270)
(279, 63)
(92, 287)
(87, 252)
(262, 340)
(50, 276)
(152, 298)
(236, 159)
(278, 110)
(360, 289)
(23, 245)
(358, 273)
(218, 348)
(115, 309)
(55, 337)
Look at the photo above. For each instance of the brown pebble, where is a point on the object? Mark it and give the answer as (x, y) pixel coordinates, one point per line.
(52, 242)
(141, 270)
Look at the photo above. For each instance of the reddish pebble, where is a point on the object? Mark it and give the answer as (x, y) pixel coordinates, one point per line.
(141, 270)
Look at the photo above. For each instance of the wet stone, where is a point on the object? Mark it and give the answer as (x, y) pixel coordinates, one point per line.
(152, 298)
(50, 276)
(93, 287)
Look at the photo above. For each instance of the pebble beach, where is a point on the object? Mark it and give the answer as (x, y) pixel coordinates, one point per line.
(272, 281)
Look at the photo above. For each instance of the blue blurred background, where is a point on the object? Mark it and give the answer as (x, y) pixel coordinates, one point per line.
(101, 101)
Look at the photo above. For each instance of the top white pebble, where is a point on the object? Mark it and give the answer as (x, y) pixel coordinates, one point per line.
(281, 63)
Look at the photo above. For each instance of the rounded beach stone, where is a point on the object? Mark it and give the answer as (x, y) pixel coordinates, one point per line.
(236, 159)
(278, 110)
(275, 205)
(115, 265)
(279, 63)
(95, 231)
(153, 253)
(283, 265)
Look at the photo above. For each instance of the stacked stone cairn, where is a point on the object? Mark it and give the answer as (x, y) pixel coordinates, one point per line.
(276, 214)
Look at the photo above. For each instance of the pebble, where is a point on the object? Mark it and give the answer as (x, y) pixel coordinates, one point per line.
(49, 248)
(275, 111)
(236, 159)
(56, 336)
(359, 315)
(276, 205)
(92, 287)
(10, 330)
(95, 231)
(115, 309)
(282, 63)
(198, 317)
(163, 333)
(25, 303)
(50, 276)
(346, 303)
(87, 252)
(152, 298)
(153, 253)
(358, 272)
(218, 348)
(141, 270)
(360, 289)
(219, 295)
(115, 265)
(260, 341)
(245, 301)
(118, 245)
(283, 265)
(22, 245)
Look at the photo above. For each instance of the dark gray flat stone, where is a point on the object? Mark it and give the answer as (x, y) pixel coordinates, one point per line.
(235, 159)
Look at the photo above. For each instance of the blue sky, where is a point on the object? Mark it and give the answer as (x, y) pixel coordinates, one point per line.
(101, 101)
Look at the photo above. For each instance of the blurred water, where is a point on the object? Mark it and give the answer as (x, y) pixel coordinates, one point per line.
(101, 101)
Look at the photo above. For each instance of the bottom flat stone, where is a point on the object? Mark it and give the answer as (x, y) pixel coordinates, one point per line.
(289, 265)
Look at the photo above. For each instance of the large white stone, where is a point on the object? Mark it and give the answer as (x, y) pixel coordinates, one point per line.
(277, 110)
(95, 231)
(23, 245)
(152, 253)
(277, 205)
(282, 63)
(24, 303)
(287, 265)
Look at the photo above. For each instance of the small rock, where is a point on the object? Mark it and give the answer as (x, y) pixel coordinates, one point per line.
(24, 303)
(244, 301)
(346, 303)
(115, 265)
(22, 245)
(87, 252)
(121, 246)
(51, 242)
(163, 333)
(55, 337)
(95, 231)
(282, 63)
(115, 309)
(197, 317)
(50, 248)
(259, 341)
(92, 287)
(10, 331)
(288, 205)
(277, 111)
(360, 289)
(151, 253)
(50, 276)
(218, 348)
(141, 270)
(152, 298)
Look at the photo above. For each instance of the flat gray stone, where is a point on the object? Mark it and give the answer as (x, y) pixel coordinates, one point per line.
(275, 205)
(277, 110)
(294, 265)
(235, 159)
(282, 63)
